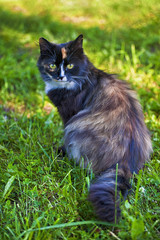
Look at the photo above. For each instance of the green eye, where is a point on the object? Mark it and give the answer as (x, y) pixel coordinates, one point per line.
(52, 66)
(70, 66)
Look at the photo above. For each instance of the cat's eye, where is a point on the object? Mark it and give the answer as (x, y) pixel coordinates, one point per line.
(70, 66)
(52, 66)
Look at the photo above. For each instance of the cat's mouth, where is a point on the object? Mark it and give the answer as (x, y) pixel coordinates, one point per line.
(60, 80)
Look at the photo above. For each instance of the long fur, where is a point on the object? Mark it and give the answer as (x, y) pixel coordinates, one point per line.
(103, 123)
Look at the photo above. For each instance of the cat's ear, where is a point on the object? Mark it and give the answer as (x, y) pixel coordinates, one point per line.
(45, 45)
(77, 43)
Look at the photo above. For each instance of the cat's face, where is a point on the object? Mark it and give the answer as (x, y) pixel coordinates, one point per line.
(63, 65)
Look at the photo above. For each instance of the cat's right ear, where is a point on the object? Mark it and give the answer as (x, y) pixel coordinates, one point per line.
(45, 46)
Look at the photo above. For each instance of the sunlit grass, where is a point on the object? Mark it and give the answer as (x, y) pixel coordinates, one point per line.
(43, 195)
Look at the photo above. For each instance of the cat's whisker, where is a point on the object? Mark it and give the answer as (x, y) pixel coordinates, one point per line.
(83, 78)
(78, 83)
(87, 78)
(88, 72)
(78, 77)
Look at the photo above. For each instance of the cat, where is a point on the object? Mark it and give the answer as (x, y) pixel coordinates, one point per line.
(103, 122)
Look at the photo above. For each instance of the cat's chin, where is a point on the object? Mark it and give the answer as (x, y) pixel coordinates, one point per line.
(59, 84)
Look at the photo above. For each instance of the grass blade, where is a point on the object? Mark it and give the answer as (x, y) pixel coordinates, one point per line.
(63, 225)
(8, 185)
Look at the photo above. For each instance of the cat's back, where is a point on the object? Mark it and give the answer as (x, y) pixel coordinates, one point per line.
(112, 102)
(105, 130)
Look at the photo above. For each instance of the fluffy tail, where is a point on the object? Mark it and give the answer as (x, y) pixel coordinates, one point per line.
(105, 194)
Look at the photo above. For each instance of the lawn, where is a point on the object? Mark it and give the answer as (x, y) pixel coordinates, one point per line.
(42, 194)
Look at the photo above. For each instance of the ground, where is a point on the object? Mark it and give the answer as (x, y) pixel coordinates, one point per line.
(42, 194)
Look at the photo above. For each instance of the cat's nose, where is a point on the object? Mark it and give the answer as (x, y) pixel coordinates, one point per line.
(61, 77)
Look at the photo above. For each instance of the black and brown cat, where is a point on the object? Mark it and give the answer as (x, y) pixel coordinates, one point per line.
(103, 121)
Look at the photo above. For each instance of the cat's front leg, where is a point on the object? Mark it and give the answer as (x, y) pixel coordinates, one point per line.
(62, 150)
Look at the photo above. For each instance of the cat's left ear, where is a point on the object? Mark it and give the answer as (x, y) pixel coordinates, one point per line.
(78, 41)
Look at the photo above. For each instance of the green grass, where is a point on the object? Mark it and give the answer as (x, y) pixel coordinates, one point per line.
(42, 195)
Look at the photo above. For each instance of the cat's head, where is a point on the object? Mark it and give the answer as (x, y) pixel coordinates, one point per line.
(63, 65)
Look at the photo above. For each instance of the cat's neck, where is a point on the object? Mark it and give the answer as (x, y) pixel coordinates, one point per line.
(68, 102)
